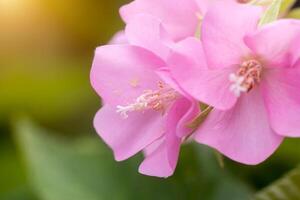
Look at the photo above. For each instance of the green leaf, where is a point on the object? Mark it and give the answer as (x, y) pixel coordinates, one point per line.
(50, 89)
(83, 168)
(286, 6)
(286, 188)
(11, 172)
(199, 119)
(23, 193)
(271, 14)
(295, 13)
(218, 183)
(77, 170)
(13, 183)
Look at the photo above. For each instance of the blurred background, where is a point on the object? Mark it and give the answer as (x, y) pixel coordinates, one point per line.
(48, 147)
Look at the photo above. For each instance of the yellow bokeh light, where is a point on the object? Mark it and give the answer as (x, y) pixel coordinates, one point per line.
(13, 6)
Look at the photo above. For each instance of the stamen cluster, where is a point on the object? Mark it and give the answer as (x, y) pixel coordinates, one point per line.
(248, 75)
(157, 100)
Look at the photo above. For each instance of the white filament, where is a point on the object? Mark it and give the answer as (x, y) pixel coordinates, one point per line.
(140, 104)
(237, 84)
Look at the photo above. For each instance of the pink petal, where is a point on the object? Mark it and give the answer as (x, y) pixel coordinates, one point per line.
(282, 98)
(223, 30)
(153, 146)
(205, 4)
(166, 77)
(242, 133)
(121, 73)
(180, 18)
(147, 31)
(192, 110)
(119, 38)
(277, 43)
(189, 107)
(211, 86)
(162, 162)
(128, 136)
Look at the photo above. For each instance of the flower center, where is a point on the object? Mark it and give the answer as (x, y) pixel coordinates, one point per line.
(157, 100)
(248, 75)
(243, 1)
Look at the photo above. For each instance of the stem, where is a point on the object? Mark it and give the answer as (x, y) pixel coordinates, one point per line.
(220, 159)
(199, 119)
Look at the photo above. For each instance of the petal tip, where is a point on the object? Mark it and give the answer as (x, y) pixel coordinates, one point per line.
(145, 169)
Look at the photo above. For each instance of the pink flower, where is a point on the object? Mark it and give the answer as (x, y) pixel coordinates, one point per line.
(157, 24)
(119, 38)
(251, 78)
(181, 18)
(144, 108)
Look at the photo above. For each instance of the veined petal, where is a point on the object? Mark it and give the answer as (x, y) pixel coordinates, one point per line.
(281, 91)
(121, 73)
(179, 19)
(148, 32)
(277, 43)
(127, 137)
(162, 161)
(223, 29)
(153, 146)
(205, 4)
(192, 110)
(189, 68)
(242, 133)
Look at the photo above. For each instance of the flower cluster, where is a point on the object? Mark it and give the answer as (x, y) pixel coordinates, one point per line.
(174, 55)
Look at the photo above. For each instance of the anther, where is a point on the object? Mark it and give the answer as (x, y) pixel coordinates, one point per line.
(243, 1)
(157, 100)
(248, 75)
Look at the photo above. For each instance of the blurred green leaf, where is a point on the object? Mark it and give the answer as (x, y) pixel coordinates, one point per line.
(262, 175)
(51, 89)
(286, 188)
(84, 169)
(295, 13)
(218, 183)
(272, 13)
(13, 183)
(289, 151)
(81, 169)
(286, 5)
(11, 172)
(23, 193)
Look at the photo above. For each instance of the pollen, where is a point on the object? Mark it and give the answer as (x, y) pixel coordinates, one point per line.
(157, 100)
(248, 75)
(244, 1)
(134, 82)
